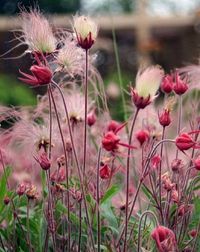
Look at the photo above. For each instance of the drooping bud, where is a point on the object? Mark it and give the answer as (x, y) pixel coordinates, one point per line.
(86, 31)
(110, 141)
(41, 75)
(184, 142)
(196, 163)
(31, 192)
(142, 136)
(58, 175)
(164, 118)
(193, 233)
(180, 86)
(164, 238)
(105, 172)
(91, 118)
(177, 165)
(6, 200)
(174, 196)
(21, 189)
(113, 126)
(44, 161)
(167, 184)
(167, 84)
(155, 161)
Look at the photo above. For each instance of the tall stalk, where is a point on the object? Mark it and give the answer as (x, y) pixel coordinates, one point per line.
(127, 177)
(77, 164)
(86, 106)
(66, 165)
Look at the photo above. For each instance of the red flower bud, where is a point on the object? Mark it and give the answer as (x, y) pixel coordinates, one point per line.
(184, 142)
(91, 118)
(164, 238)
(21, 189)
(180, 86)
(110, 141)
(142, 136)
(164, 118)
(167, 84)
(193, 233)
(58, 175)
(44, 161)
(113, 126)
(139, 101)
(41, 75)
(177, 165)
(196, 163)
(105, 172)
(174, 196)
(6, 200)
(155, 161)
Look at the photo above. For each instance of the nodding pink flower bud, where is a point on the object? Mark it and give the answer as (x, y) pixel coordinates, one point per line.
(58, 175)
(196, 163)
(21, 189)
(86, 31)
(6, 200)
(110, 141)
(167, 184)
(174, 196)
(91, 118)
(193, 233)
(164, 118)
(142, 136)
(113, 126)
(41, 75)
(185, 142)
(180, 86)
(155, 161)
(139, 101)
(165, 239)
(167, 84)
(105, 172)
(177, 165)
(44, 161)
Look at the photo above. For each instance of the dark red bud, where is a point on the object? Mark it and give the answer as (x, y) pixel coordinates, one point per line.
(164, 118)
(105, 172)
(167, 84)
(142, 136)
(91, 118)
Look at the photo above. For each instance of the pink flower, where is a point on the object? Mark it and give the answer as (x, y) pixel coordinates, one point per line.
(111, 140)
(142, 136)
(165, 239)
(41, 75)
(105, 172)
(167, 84)
(86, 31)
(185, 142)
(147, 84)
(44, 161)
(91, 118)
(164, 118)
(37, 33)
(180, 86)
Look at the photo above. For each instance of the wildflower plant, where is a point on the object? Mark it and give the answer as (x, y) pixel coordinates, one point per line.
(73, 179)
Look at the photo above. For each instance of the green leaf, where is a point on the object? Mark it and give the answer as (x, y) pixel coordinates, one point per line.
(110, 193)
(3, 185)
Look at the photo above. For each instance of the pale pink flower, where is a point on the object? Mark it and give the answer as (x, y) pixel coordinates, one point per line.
(37, 33)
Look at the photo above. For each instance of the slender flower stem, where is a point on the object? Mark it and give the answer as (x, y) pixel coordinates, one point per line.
(144, 174)
(86, 106)
(160, 174)
(98, 205)
(140, 224)
(66, 165)
(77, 164)
(179, 119)
(28, 226)
(80, 227)
(127, 178)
